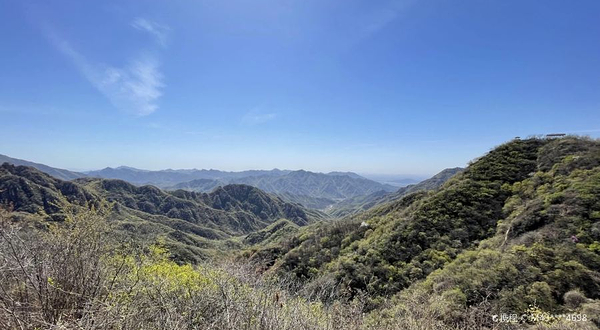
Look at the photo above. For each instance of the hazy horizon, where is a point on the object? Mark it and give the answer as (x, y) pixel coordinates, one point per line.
(383, 88)
(381, 177)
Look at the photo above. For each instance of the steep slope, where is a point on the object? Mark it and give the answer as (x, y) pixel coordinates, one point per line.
(274, 233)
(363, 203)
(29, 190)
(544, 256)
(537, 198)
(55, 172)
(311, 202)
(432, 183)
(233, 209)
(190, 220)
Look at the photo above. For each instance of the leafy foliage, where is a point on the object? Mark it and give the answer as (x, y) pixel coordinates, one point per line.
(518, 227)
(73, 277)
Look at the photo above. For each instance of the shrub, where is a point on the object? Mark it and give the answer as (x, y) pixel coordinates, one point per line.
(74, 275)
(574, 298)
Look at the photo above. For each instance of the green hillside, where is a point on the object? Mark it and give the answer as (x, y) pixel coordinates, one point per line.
(194, 224)
(519, 227)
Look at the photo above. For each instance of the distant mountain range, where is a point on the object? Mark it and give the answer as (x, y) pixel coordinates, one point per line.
(170, 177)
(338, 192)
(333, 185)
(314, 190)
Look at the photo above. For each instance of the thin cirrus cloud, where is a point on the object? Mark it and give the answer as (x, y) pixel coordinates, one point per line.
(134, 88)
(158, 31)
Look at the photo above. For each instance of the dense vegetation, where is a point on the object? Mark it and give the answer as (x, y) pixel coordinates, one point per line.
(194, 225)
(518, 228)
(408, 239)
(78, 275)
(543, 255)
(516, 233)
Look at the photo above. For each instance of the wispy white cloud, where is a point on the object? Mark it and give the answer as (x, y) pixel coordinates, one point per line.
(254, 117)
(159, 31)
(134, 88)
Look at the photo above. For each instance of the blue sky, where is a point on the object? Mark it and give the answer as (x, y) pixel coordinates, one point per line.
(397, 87)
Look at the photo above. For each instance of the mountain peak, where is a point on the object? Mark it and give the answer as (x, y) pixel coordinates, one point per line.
(350, 174)
(129, 168)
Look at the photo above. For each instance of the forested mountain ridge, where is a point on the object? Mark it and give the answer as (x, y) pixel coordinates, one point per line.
(529, 206)
(189, 220)
(314, 190)
(31, 191)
